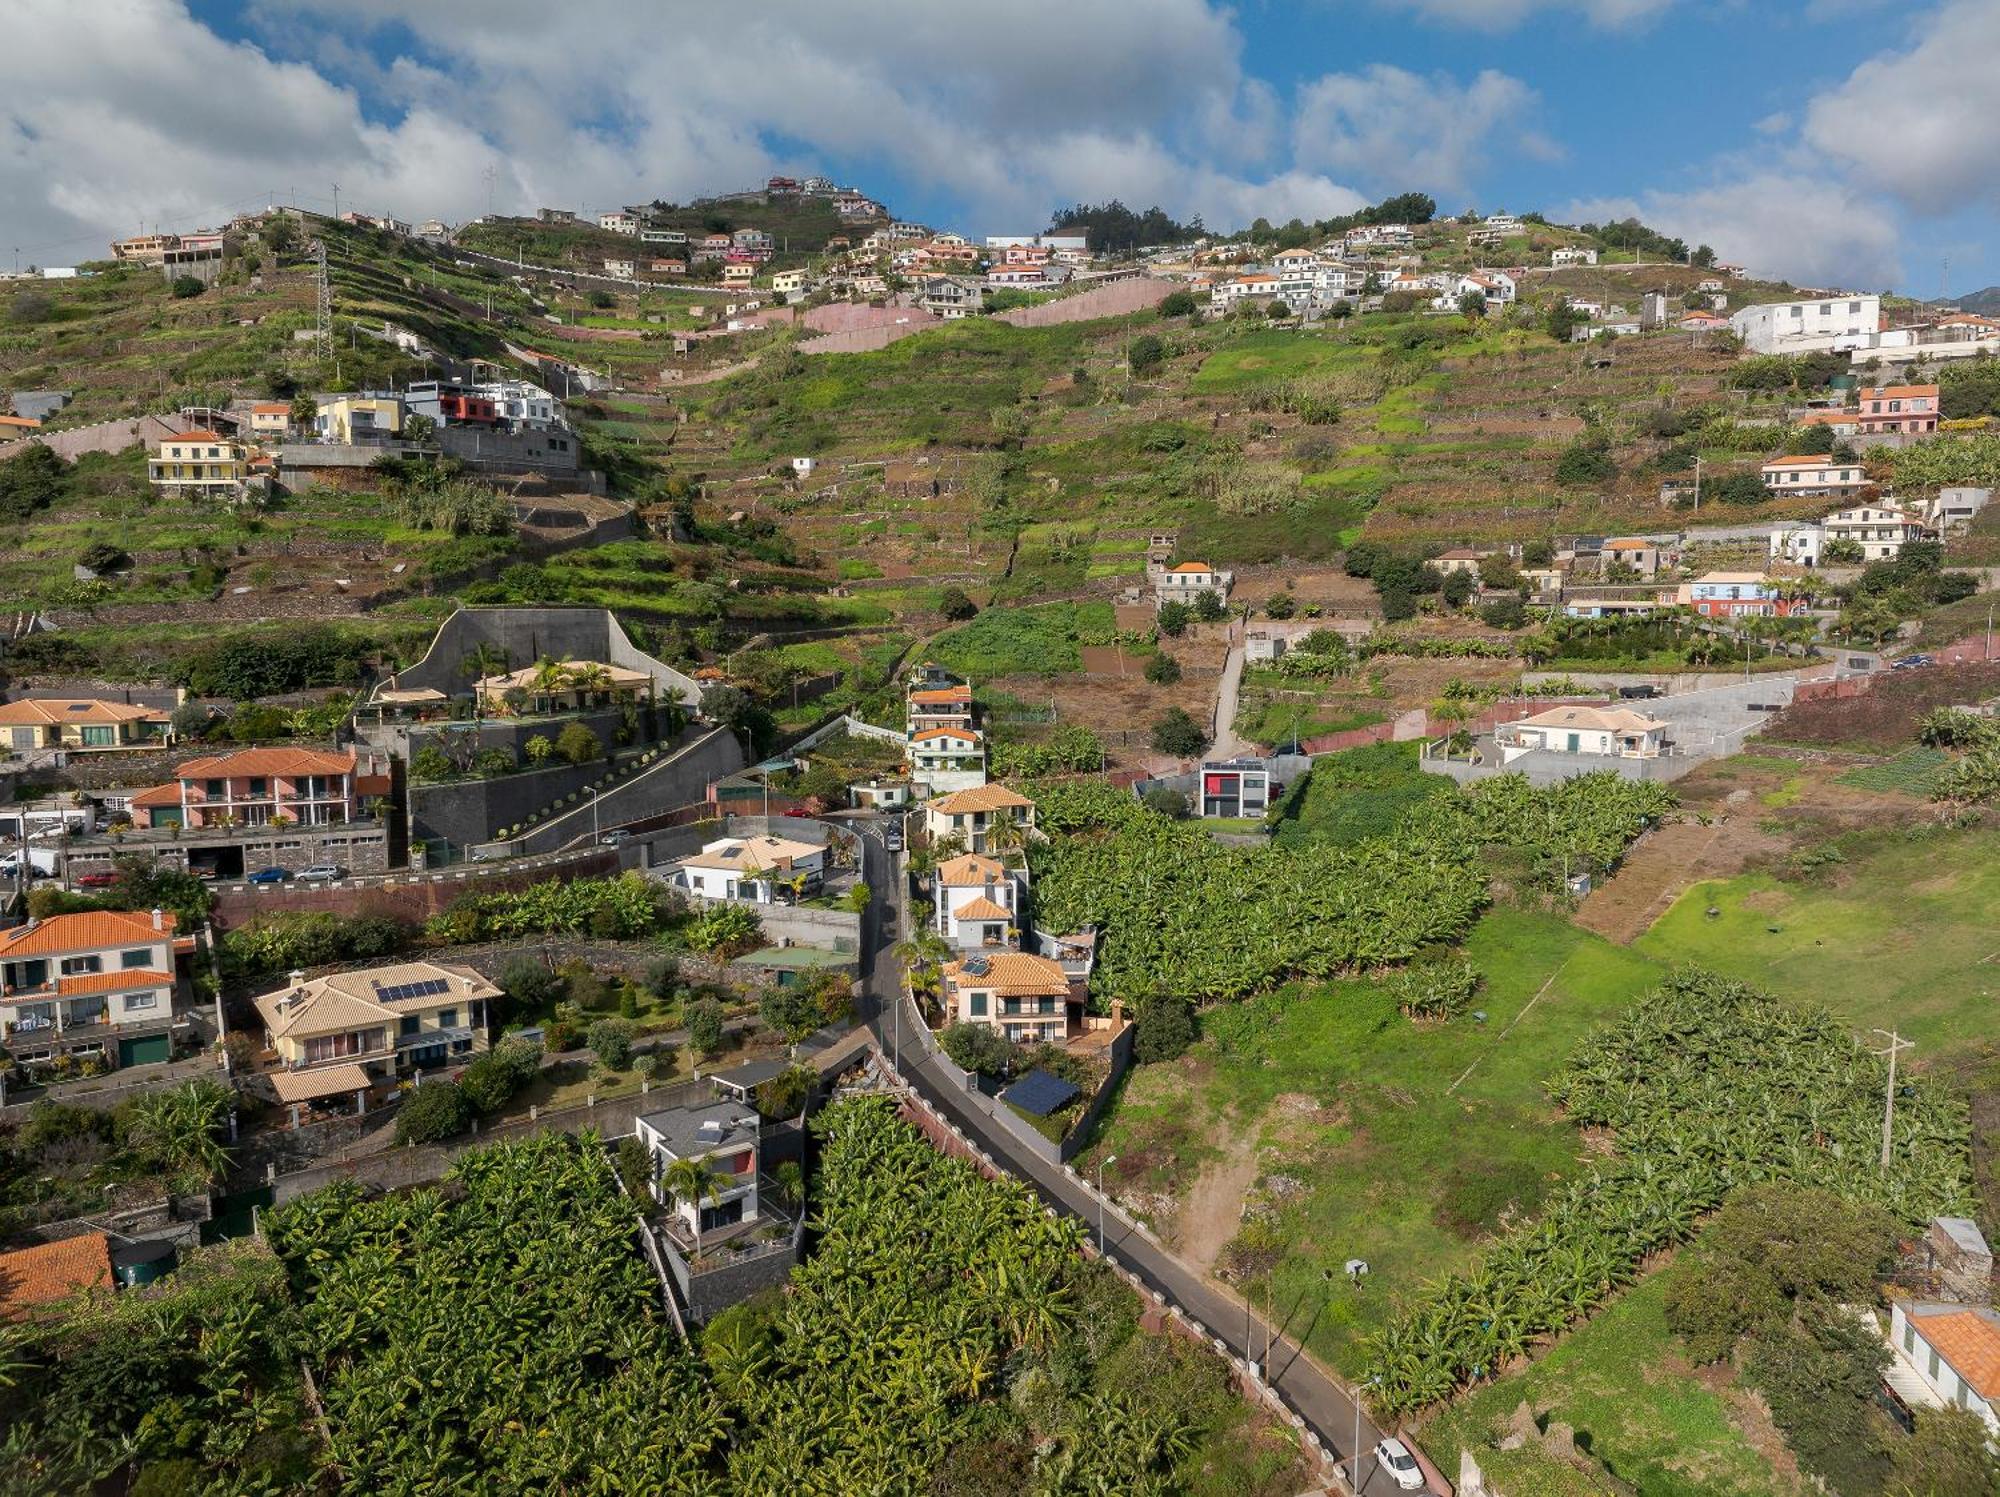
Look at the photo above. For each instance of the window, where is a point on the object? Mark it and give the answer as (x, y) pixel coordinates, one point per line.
(214, 789)
(136, 1001)
(1909, 1335)
(73, 966)
(977, 1004)
(137, 959)
(258, 785)
(1934, 1364)
(447, 1018)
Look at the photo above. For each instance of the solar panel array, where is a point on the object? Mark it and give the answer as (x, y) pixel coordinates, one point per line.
(430, 987)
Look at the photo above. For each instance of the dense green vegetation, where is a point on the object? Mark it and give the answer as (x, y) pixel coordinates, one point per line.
(193, 1382)
(1708, 1085)
(1039, 641)
(504, 1335)
(943, 1324)
(1185, 917)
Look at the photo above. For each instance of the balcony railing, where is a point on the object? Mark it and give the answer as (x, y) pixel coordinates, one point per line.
(429, 1038)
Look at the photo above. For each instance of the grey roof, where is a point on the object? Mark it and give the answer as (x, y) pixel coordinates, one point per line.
(1040, 1093)
(745, 1078)
(35, 405)
(682, 1132)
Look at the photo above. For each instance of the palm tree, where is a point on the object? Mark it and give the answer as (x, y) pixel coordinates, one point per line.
(550, 678)
(689, 1182)
(587, 676)
(481, 661)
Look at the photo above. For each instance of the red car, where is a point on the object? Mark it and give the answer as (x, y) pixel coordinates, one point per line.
(96, 880)
(798, 811)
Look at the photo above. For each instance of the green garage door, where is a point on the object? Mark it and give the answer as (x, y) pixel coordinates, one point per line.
(145, 1049)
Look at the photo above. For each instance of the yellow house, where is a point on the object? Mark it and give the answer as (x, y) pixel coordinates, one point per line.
(352, 418)
(349, 1032)
(199, 462)
(79, 723)
(739, 273)
(270, 418)
(789, 282)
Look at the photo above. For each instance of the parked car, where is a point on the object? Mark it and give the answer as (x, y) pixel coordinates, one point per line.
(1912, 662)
(893, 839)
(206, 872)
(1638, 693)
(613, 838)
(1394, 1457)
(98, 880)
(269, 876)
(797, 811)
(322, 873)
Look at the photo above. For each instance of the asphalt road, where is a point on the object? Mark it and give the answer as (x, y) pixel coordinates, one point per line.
(1303, 1385)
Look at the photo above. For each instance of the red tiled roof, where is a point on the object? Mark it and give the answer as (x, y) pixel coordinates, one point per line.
(271, 408)
(1194, 566)
(110, 982)
(157, 796)
(1970, 1342)
(51, 1271)
(89, 930)
(943, 694)
(196, 436)
(267, 761)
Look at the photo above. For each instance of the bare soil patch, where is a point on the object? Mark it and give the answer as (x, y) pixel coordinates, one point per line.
(1213, 1210)
(1884, 717)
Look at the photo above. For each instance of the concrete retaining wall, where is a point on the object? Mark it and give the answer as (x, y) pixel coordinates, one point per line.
(682, 777)
(524, 635)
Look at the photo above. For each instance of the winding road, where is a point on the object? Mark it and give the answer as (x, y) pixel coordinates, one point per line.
(1302, 1384)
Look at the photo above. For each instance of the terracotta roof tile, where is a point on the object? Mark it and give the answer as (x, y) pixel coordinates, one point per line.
(266, 761)
(980, 798)
(1969, 1339)
(1012, 972)
(982, 908)
(969, 871)
(969, 735)
(57, 710)
(157, 796)
(91, 930)
(52, 1271)
(111, 982)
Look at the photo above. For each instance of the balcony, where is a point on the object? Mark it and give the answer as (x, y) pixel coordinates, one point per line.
(427, 1039)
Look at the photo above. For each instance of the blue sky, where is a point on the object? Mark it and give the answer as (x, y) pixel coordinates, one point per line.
(1830, 141)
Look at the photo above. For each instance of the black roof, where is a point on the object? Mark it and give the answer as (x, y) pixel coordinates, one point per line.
(1040, 1093)
(748, 1077)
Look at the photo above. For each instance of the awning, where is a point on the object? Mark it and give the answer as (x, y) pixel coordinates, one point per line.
(328, 1081)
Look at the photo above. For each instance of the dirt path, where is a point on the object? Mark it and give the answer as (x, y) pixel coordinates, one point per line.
(1213, 1209)
(1226, 744)
(1623, 908)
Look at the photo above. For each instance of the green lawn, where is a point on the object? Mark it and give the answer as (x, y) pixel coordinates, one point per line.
(1621, 1385)
(1378, 1157)
(1274, 354)
(1899, 933)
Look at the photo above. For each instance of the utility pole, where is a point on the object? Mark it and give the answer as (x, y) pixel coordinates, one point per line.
(336, 202)
(1897, 1044)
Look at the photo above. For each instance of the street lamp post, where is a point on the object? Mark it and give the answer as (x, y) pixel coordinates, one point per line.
(1357, 1428)
(1100, 1201)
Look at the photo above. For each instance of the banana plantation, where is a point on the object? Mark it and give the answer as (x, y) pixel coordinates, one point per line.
(1708, 1085)
(502, 1334)
(1186, 917)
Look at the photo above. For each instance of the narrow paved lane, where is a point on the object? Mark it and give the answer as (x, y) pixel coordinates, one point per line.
(1304, 1386)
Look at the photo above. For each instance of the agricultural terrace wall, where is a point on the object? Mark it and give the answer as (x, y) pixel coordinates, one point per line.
(870, 339)
(414, 897)
(1669, 683)
(103, 436)
(1114, 300)
(398, 1169)
(854, 317)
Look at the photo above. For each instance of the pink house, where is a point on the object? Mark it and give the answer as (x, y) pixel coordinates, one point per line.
(1899, 408)
(253, 787)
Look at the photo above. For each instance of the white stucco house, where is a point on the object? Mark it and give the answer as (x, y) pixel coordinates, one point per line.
(979, 902)
(1610, 731)
(1810, 325)
(758, 869)
(1946, 1354)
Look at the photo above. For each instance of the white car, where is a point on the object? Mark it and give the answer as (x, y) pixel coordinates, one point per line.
(1393, 1456)
(322, 873)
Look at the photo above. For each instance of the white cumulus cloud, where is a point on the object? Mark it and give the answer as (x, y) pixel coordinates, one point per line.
(1920, 124)
(1391, 126)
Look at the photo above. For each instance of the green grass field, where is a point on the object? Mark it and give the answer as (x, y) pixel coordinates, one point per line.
(1620, 1383)
(1900, 933)
(1355, 1107)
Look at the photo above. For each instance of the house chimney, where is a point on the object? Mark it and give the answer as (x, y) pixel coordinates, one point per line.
(296, 977)
(159, 919)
